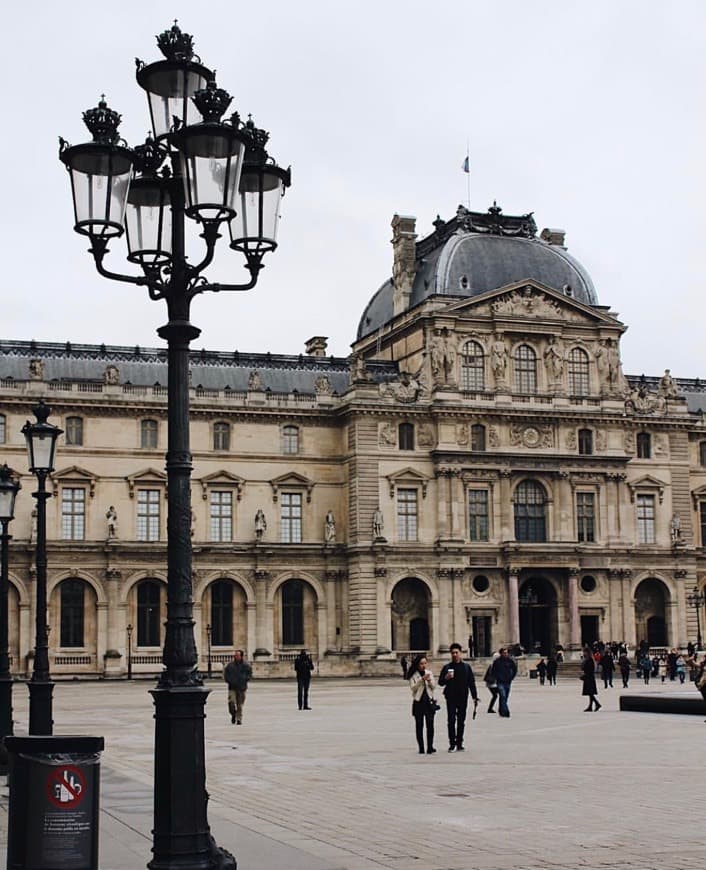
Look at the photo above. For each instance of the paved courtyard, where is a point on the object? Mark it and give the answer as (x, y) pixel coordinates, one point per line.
(342, 787)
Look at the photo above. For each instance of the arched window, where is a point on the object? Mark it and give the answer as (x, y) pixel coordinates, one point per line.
(472, 367)
(149, 596)
(290, 439)
(148, 433)
(644, 445)
(578, 372)
(293, 613)
(74, 431)
(585, 442)
(525, 370)
(477, 437)
(530, 512)
(222, 613)
(72, 612)
(221, 436)
(2, 429)
(406, 436)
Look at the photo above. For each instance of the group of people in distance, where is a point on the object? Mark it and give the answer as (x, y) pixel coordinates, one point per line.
(458, 683)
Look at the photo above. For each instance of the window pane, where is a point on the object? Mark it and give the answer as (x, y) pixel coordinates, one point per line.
(702, 514)
(293, 613)
(72, 607)
(221, 516)
(73, 513)
(221, 436)
(148, 514)
(645, 519)
(585, 516)
(2, 428)
(578, 372)
(478, 514)
(148, 613)
(74, 431)
(643, 445)
(472, 367)
(702, 452)
(530, 522)
(290, 439)
(407, 514)
(148, 430)
(585, 442)
(222, 613)
(525, 370)
(291, 518)
(406, 436)
(477, 437)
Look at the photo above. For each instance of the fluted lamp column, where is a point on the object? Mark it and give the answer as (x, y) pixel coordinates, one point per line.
(9, 487)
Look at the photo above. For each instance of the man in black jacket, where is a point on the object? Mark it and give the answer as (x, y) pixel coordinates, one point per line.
(504, 670)
(458, 681)
(237, 673)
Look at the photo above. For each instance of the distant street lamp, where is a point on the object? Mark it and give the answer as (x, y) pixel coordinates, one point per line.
(696, 599)
(128, 628)
(9, 487)
(41, 438)
(208, 649)
(528, 600)
(215, 173)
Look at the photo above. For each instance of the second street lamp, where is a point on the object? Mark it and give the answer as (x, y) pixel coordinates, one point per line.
(41, 438)
(190, 169)
(9, 486)
(697, 599)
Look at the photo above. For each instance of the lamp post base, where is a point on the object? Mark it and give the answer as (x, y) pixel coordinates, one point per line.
(5, 719)
(182, 839)
(40, 707)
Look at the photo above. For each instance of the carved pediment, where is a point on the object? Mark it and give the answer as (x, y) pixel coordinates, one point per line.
(698, 495)
(76, 475)
(146, 477)
(291, 481)
(222, 480)
(647, 482)
(407, 477)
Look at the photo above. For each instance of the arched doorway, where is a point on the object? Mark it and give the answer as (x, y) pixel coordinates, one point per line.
(651, 597)
(296, 619)
(538, 616)
(410, 616)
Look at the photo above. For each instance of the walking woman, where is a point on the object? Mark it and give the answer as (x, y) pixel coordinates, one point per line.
(421, 682)
(491, 684)
(588, 669)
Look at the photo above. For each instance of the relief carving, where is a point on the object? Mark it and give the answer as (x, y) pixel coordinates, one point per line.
(36, 370)
(388, 435)
(531, 436)
(322, 386)
(629, 442)
(600, 440)
(528, 303)
(571, 439)
(462, 434)
(406, 389)
(425, 435)
(493, 437)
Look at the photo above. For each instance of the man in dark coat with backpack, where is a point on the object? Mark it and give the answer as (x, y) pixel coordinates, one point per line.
(458, 681)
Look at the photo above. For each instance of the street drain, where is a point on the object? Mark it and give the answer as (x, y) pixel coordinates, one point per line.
(453, 794)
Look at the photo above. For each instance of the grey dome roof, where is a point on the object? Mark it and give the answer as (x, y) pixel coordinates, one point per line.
(466, 264)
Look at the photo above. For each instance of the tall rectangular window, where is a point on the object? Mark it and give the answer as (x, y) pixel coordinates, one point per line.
(221, 436)
(148, 514)
(645, 519)
(221, 516)
(148, 434)
(2, 428)
(290, 439)
(74, 431)
(407, 514)
(291, 518)
(702, 516)
(73, 513)
(585, 516)
(478, 514)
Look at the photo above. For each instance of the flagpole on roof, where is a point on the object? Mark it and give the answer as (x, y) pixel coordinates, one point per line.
(467, 167)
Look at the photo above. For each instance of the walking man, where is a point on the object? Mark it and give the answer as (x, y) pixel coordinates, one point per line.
(237, 673)
(505, 670)
(303, 666)
(607, 666)
(458, 681)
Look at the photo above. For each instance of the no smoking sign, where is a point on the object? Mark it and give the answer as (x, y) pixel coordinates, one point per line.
(66, 787)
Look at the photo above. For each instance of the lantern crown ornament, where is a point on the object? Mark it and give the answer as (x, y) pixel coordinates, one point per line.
(150, 156)
(257, 140)
(176, 45)
(103, 123)
(212, 102)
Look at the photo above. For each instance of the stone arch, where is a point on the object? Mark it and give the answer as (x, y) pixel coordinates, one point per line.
(296, 575)
(226, 629)
(296, 602)
(652, 599)
(134, 579)
(77, 574)
(411, 614)
(203, 583)
(20, 588)
(538, 599)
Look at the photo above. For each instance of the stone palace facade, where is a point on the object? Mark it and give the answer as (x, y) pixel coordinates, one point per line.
(479, 469)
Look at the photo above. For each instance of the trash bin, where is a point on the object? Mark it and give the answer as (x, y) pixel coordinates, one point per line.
(54, 800)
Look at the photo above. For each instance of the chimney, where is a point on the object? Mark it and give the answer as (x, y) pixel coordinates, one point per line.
(316, 346)
(553, 237)
(404, 266)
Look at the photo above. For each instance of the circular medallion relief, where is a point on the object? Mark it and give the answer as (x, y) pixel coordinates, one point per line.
(530, 437)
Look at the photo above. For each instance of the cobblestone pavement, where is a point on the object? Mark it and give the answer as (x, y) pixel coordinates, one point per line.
(341, 787)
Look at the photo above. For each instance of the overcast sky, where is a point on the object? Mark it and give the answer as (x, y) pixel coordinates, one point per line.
(591, 115)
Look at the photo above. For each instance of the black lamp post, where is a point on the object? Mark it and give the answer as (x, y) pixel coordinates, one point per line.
(209, 666)
(9, 486)
(41, 438)
(128, 628)
(528, 600)
(213, 172)
(696, 599)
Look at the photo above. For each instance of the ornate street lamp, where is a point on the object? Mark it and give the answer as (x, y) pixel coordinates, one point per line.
(696, 599)
(192, 168)
(209, 666)
(9, 487)
(128, 628)
(41, 438)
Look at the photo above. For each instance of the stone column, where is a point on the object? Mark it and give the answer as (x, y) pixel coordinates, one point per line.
(102, 613)
(321, 629)
(628, 609)
(443, 485)
(507, 526)
(513, 605)
(574, 620)
(678, 633)
(456, 504)
(251, 617)
(331, 605)
(261, 610)
(445, 621)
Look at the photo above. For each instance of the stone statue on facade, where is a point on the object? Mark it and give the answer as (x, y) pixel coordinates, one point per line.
(667, 386)
(112, 519)
(254, 381)
(554, 358)
(322, 386)
(675, 530)
(378, 524)
(330, 528)
(442, 356)
(260, 524)
(36, 370)
(498, 358)
(111, 376)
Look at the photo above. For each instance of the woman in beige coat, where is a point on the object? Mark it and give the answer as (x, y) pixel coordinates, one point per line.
(424, 706)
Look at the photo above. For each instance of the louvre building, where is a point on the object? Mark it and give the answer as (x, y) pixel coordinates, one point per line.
(478, 469)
